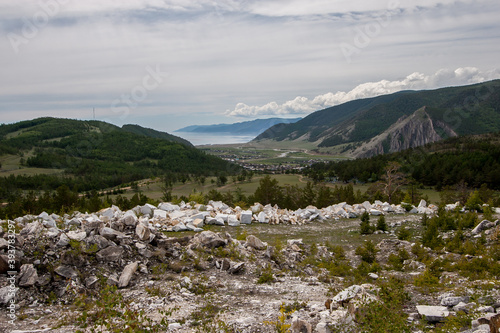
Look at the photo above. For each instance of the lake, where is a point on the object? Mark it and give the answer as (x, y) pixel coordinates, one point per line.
(198, 139)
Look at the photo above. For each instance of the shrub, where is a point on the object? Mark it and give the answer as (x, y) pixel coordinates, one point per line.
(404, 234)
(207, 313)
(488, 212)
(368, 251)
(279, 325)
(418, 250)
(427, 282)
(113, 313)
(386, 315)
(407, 206)
(396, 261)
(266, 276)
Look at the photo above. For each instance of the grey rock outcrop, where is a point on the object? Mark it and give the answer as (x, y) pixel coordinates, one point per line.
(255, 243)
(208, 239)
(482, 226)
(66, 271)
(27, 276)
(111, 253)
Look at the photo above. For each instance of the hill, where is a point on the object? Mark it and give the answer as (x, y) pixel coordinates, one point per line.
(95, 155)
(151, 133)
(253, 127)
(394, 122)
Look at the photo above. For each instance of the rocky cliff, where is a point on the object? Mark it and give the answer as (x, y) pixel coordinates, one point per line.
(411, 131)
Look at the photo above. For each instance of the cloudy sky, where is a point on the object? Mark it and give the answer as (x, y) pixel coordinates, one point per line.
(166, 64)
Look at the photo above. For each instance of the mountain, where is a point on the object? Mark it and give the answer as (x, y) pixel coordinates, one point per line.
(253, 127)
(390, 123)
(95, 154)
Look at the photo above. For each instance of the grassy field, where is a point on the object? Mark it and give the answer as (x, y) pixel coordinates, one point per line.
(11, 165)
(152, 188)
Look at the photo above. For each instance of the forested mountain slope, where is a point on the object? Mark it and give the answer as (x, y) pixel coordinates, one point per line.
(95, 154)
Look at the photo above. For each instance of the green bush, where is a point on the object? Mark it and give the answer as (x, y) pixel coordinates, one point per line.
(427, 282)
(386, 315)
(266, 276)
(368, 252)
(404, 234)
(396, 261)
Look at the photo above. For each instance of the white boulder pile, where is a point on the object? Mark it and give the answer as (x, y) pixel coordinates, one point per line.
(111, 222)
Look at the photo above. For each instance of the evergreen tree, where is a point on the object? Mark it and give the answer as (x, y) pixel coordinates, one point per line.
(474, 202)
(381, 225)
(221, 180)
(365, 227)
(268, 192)
(324, 197)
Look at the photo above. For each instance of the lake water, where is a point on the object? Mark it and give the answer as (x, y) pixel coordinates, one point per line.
(198, 139)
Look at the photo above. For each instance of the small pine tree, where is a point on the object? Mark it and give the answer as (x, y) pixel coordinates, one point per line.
(367, 251)
(365, 227)
(404, 234)
(474, 202)
(381, 225)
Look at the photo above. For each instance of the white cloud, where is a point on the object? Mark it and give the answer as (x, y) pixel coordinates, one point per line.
(415, 81)
(28, 8)
(322, 7)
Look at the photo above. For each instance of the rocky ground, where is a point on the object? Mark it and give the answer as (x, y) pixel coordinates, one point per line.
(211, 268)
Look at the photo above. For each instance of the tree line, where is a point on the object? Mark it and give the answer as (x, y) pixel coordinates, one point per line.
(474, 160)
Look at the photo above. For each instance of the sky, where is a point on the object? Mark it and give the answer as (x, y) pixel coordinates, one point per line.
(166, 64)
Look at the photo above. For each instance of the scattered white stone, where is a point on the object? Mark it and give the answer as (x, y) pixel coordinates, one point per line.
(160, 213)
(262, 218)
(246, 217)
(483, 225)
(174, 326)
(179, 227)
(168, 207)
(127, 273)
(63, 240)
(233, 221)
(129, 218)
(433, 314)
(77, 235)
(142, 232)
(451, 301)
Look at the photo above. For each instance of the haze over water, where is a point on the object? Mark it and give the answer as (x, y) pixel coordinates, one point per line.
(198, 139)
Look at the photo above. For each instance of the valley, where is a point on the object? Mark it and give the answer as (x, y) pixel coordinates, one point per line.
(132, 227)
